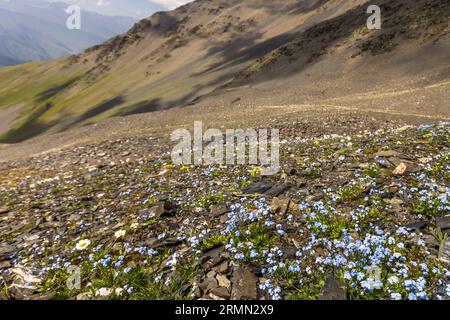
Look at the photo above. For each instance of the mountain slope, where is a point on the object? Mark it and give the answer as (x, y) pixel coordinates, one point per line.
(36, 30)
(222, 51)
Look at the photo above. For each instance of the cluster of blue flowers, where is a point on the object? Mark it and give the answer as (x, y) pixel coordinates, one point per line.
(240, 216)
(238, 228)
(274, 292)
(427, 198)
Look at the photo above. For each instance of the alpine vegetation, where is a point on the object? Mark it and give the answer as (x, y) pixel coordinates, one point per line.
(152, 229)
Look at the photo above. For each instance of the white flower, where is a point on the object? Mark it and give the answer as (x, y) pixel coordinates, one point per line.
(82, 245)
(120, 233)
(393, 280)
(119, 291)
(104, 292)
(134, 226)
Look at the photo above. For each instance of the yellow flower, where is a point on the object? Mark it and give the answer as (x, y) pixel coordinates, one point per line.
(120, 233)
(83, 244)
(255, 171)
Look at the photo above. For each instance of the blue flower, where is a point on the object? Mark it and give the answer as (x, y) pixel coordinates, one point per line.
(239, 256)
(412, 296)
(253, 254)
(396, 296)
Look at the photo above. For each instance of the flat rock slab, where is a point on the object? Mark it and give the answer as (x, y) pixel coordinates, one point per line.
(266, 187)
(6, 250)
(244, 285)
(387, 154)
(220, 292)
(218, 210)
(258, 187)
(280, 205)
(443, 223)
(444, 251)
(416, 225)
(277, 189)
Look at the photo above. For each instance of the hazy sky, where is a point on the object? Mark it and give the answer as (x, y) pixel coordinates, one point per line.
(171, 4)
(135, 8)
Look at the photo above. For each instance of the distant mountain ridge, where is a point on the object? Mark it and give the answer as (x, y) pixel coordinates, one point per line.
(131, 8)
(7, 61)
(36, 30)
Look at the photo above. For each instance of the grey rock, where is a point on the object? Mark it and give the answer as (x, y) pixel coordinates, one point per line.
(387, 154)
(20, 284)
(276, 190)
(258, 187)
(443, 223)
(161, 209)
(280, 204)
(244, 285)
(412, 168)
(440, 293)
(220, 292)
(208, 284)
(218, 210)
(395, 161)
(444, 251)
(416, 225)
(5, 264)
(6, 250)
(214, 251)
(334, 289)
(223, 281)
(168, 243)
(222, 267)
(303, 192)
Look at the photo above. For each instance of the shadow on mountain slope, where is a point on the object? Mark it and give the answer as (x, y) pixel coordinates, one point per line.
(403, 20)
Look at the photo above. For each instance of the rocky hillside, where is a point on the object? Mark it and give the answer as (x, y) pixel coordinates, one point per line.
(362, 215)
(231, 51)
(359, 210)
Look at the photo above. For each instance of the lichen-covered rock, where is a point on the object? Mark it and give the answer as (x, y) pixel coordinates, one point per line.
(20, 283)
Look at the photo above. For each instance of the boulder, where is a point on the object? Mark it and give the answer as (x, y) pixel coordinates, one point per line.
(21, 285)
